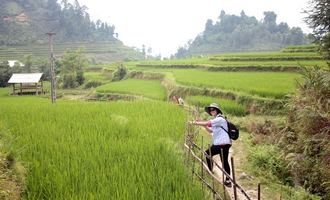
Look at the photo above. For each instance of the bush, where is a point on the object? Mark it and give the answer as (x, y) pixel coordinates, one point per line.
(5, 73)
(309, 120)
(92, 84)
(120, 73)
(268, 158)
(69, 81)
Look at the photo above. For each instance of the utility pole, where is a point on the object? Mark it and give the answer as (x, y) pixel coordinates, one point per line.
(52, 68)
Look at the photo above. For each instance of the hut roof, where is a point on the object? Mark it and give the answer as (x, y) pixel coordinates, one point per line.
(25, 78)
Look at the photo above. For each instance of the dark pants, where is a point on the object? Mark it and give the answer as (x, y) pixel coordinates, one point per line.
(216, 149)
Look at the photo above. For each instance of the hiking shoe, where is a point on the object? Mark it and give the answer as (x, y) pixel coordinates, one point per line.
(227, 183)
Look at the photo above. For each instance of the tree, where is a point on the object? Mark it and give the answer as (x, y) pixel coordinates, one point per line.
(120, 73)
(270, 21)
(208, 27)
(243, 33)
(5, 73)
(28, 63)
(72, 64)
(319, 20)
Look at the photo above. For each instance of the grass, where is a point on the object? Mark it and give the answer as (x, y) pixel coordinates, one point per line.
(219, 63)
(148, 88)
(227, 106)
(264, 84)
(5, 91)
(83, 150)
(100, 51)
(96, 76)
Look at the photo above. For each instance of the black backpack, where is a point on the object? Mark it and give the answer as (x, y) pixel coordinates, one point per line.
(233, 131)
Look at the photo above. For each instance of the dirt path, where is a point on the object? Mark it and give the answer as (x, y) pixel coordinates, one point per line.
(235, 152)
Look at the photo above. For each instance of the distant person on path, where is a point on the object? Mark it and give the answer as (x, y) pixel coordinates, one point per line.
(175, 99)
(181, 102)
(220, 138)
(178, 101)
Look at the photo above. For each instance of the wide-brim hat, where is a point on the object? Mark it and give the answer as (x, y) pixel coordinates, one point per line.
(212, 105)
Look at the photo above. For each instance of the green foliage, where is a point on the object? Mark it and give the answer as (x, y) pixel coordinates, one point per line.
(265, 84)
(120, 73)
(12, 179)
(71, 20)
(227, 106)
(319, 19)
(28, 63)
(309, 121)
(85, 150)
(72, 64)
(243, 33)
(92, 84)
(301, 48)
(5, 74)
(265, 159)
(98, 52)
(147, 88)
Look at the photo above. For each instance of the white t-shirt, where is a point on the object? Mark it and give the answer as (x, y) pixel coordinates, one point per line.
(220, 136)
(181, 102)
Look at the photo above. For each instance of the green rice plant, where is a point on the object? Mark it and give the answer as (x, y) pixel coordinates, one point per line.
(148, 88)
(5, 91)
(227, 106)
(84, 150)
(264, 84)
(96, 76)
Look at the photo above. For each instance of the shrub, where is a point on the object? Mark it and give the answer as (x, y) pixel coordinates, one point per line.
(120, 73)
(309, 120)
(267, 158)
(92, 84)
(5, 73)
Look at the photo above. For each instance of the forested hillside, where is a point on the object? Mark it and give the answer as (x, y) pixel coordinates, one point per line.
(26, 21)
(24, 24)
(243, 33)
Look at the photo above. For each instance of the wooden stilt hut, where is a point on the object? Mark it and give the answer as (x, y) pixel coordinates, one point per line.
(27, 83)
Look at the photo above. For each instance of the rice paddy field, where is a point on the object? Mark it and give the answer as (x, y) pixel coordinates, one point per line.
(148, 88)
(83, 150)
(247, 59)
(228, 106)
(96, 76)
(129, 149)
(265, 84)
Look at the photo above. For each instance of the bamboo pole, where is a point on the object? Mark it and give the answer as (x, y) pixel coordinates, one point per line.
(259, 195)
(216, 178)
(234, 177)
(13, 88)
(36, 85)
(223, 174)
(202, 171)
(211, 161)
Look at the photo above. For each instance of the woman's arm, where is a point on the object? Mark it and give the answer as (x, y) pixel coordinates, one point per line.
(199, 123)
(208, 129)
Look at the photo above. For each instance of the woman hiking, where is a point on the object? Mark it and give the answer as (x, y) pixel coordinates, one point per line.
(220, 138)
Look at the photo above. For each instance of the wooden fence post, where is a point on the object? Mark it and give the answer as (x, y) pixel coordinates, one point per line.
(234, 178)
(223, 174)
(259, 197)
(202, 171)
(212, 164)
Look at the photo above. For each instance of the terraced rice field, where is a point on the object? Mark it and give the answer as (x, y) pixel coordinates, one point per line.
(148, 88)
(84, 150)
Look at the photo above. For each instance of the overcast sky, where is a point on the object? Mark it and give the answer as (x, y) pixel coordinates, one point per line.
(166, 25)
